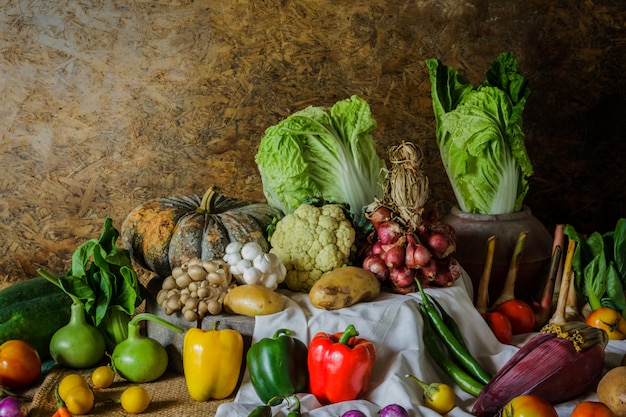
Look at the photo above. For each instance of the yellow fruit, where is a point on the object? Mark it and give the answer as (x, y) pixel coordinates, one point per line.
(135, 399)
(102, 377)
(70, 382)
(79, 400)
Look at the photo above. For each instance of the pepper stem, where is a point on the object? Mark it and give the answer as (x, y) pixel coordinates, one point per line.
(280, 332)
(347, 334)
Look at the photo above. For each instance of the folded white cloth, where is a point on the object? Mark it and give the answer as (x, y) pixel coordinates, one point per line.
(393, 323)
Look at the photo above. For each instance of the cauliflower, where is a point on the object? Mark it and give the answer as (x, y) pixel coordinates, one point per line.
(311, 241)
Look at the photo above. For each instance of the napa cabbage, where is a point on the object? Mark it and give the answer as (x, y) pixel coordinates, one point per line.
(480, 136)
(326, 153)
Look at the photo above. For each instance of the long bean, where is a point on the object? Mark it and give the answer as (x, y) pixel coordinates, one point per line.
(439, 356)
(456, 348)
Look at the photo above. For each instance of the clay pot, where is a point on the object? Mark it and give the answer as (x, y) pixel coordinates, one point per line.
(472, 232)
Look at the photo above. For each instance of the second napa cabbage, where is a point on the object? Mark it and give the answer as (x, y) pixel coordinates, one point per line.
(480, 136)
(321, 152)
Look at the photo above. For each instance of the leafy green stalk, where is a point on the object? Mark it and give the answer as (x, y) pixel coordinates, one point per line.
(598, 264)
(102, 278)
(480, 137)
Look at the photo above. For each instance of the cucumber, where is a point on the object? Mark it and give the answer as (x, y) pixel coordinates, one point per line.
(33, 310)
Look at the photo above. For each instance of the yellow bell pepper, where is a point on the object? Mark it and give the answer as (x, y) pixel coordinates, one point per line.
(212, 361)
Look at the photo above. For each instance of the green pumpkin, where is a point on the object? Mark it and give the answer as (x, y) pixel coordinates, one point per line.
(164, 233)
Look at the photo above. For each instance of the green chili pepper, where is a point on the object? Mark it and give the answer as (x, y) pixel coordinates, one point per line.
(435, 350)
(449, 321)
(455, 347)
(261, 411)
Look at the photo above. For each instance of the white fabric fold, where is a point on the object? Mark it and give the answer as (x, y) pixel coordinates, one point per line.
(393, 323)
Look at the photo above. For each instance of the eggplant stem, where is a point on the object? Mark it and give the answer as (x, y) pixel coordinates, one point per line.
(482, 296)
(559, 313)
(508, 292)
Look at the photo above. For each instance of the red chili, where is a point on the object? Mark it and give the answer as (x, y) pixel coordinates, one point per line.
(340, 365)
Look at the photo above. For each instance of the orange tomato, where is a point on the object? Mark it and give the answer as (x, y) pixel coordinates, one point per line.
(529, 406)
(592, 409)
(20, 365)
(609, 320)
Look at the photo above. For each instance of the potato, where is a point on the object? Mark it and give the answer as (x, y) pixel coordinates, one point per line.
(611, 390)
(343, 287)
(253, 300)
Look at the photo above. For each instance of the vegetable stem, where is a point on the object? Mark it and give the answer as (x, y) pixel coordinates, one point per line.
(347, 334)
(482, 296)
(559, 313)
(508, 292)
(149, 316)
(544, 306)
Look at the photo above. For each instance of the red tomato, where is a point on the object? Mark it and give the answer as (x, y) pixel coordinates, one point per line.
(609, 320)
(520, 314)
(529, 406)
(20, 364)
(592, 409)
(500, 325)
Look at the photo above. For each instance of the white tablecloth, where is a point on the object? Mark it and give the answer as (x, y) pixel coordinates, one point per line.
(393, 323)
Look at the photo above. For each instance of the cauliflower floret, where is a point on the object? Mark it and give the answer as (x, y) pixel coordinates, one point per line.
(311, 241)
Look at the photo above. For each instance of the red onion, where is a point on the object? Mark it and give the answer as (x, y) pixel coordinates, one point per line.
(417, 255)
(440, 245)
(440, 238)
(377, 249)
(379, 215)
(429, 270)
(376, 266)
(402, 276)
(389, 232)
(394, 256)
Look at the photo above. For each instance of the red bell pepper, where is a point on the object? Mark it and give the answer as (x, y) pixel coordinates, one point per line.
(340, 365)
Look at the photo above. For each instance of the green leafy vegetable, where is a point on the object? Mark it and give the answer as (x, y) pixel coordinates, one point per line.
(103, 280)
(323, 152)
(480, 136)
(599, 266)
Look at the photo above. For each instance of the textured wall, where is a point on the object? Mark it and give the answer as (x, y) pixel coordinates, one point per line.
(106, 104)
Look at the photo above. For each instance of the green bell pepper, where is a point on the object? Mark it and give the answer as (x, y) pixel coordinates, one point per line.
(278, 366)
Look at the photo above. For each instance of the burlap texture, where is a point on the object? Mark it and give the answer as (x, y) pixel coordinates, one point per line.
(169, 396)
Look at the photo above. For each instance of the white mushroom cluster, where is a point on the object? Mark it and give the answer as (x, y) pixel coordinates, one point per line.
(197, 288)
(250, 265)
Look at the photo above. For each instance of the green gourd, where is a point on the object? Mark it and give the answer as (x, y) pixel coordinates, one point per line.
(78, 344)
(140, 358)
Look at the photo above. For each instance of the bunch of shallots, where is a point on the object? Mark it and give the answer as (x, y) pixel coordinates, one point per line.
(406, 244)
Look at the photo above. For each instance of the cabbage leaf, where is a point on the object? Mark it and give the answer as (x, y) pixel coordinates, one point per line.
(326, 153)
(480, 137)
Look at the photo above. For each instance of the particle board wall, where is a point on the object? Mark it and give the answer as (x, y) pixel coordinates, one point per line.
(109, 103)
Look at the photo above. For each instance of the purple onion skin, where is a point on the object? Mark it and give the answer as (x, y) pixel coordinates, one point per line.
(354, 413)
(13, 407)
(394, 410)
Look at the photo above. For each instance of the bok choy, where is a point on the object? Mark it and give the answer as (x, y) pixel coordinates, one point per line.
(599, 265)
(480, 137)
(102, 279)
